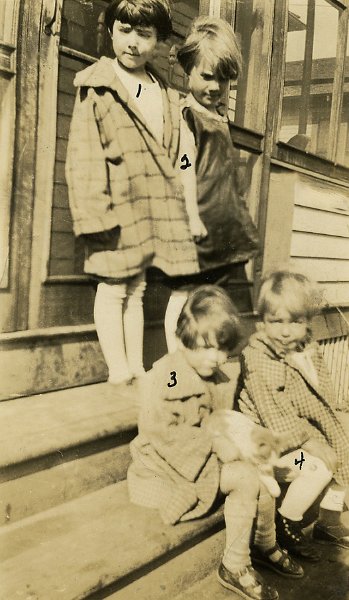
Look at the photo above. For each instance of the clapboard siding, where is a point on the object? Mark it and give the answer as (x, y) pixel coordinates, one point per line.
(336, 294)
(320, 235)
(314, 245)
(319, 221)
(325, 269)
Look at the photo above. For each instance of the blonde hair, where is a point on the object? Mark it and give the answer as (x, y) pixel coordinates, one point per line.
(290, 290)
(214, 39)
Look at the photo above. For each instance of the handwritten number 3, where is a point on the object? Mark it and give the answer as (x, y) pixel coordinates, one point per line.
(173, 379)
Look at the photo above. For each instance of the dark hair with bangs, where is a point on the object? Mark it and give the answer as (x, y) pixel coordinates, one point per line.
(213, 39)
(291, 291)
(153, 13)
(209, 314)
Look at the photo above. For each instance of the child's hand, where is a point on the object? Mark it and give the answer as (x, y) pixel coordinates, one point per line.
(323, 451)
(197, 228)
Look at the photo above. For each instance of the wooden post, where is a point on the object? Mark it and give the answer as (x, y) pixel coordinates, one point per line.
(307, 68)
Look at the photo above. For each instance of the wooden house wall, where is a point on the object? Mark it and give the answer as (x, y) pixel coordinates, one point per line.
(320, 236)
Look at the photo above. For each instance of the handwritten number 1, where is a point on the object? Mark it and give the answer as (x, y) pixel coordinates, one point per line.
(173, 379)
(139, 90)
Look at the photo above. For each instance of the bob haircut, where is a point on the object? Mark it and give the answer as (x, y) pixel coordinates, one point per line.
(209, 314)
(149, 13)
(213, 39)
(291, 291)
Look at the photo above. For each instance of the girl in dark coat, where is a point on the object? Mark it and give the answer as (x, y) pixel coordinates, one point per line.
(220, 223)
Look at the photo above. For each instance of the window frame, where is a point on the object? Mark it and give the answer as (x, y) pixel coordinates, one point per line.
(8, 58)
(282, 152)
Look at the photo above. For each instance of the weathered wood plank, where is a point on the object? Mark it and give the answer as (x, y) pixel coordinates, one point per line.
(321, 195)
(319, 221)
(337, 294)
(316, 245)
(324, 269)
(62, 221)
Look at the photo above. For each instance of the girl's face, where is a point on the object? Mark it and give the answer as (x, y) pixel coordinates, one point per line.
(205, 85)
(284, 330)
(133, 46)
(205, 360)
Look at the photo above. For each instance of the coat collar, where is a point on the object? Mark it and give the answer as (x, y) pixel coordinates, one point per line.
(189, 383)
(260, 341)
(103, 75)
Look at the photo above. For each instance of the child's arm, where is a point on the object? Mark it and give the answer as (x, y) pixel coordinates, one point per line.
(87, 172)
(268, 405)
(188, 178)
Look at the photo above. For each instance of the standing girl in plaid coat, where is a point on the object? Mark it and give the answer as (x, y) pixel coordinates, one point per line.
(124, 196)
(225, 235)
(178, 467)
(285, 387)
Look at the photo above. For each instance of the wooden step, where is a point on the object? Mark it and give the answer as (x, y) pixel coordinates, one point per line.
(57, 446)
(91, 547)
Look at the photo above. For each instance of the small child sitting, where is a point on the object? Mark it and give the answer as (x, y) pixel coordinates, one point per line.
(175, 467)
(237, 438)
(285, 386)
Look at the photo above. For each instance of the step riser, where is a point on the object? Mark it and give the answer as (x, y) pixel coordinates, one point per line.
(38, 491)
(176, 575)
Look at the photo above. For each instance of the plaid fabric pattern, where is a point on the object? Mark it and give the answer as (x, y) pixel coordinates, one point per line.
(173, 466)
(276, 393)
(119, 175)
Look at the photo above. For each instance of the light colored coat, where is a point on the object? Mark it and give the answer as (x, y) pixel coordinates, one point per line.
(276, 393)
(173, 466)
(122, 181)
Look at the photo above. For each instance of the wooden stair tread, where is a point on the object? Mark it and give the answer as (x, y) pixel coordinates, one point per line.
(35, 426)
(92, 542)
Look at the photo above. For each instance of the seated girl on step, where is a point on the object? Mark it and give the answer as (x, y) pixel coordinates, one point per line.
(176, 466)
(286, 388)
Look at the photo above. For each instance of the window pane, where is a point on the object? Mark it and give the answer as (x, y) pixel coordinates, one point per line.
(82, 27)
(248, 97)
(308, 84)
(343, 137)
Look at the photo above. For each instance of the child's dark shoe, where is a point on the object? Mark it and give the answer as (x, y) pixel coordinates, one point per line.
(337, 535)
(284, 565)
(290, 536)
(246, 583)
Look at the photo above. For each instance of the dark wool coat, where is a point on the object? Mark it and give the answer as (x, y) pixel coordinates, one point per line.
(276, 393)
(173, 466)
(123, 182)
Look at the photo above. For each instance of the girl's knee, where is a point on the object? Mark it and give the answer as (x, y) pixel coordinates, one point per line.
(240, 476)
(318, 470)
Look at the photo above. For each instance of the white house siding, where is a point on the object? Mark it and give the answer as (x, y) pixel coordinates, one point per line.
(320, 236)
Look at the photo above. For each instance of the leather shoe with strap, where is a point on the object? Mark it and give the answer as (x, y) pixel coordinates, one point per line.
(246, 583)
(284, 565)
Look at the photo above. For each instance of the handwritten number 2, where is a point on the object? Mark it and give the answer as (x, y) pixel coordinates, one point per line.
(173, 379)
(186, 162)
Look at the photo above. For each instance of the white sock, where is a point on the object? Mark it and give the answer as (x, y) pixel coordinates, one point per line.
(173, 310)
(134, 325)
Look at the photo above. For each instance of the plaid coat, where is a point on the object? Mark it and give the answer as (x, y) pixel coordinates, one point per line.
(275, 392)
(123, 187)
(173, 466)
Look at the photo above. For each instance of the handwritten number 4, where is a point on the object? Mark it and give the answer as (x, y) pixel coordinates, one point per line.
(300, 461)
(173, 379)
